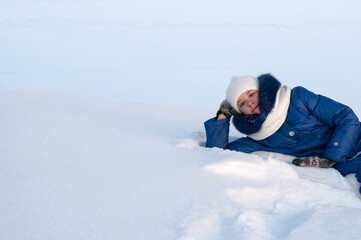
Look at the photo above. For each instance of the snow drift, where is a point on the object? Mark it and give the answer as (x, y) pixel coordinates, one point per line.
(80, 168)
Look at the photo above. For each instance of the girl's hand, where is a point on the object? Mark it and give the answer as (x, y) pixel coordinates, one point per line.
(225, 110)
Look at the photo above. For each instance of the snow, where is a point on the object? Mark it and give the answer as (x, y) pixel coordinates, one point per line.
(80, 168)
(109, 141)
(179, 53)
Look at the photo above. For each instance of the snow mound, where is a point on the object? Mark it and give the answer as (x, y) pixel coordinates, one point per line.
(80, 168)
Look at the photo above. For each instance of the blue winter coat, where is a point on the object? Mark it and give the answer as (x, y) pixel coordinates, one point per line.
(315, 126)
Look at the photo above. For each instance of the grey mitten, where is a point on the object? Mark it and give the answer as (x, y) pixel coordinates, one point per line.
(313, 161)
(226, 109)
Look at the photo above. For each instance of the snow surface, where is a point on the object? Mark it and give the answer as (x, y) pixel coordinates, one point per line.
(119, 164)
(178, 52)
(80, 168)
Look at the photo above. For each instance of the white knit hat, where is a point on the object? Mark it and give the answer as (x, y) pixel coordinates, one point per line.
(238, 86)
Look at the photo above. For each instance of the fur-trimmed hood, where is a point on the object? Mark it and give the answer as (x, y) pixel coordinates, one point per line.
(268, 88)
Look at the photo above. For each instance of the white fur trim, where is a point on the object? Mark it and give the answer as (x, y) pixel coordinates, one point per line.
(238, 86)
(277, 116)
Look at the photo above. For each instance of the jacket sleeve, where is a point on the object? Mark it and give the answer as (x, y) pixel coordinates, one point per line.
(339, 117)
(217, 132)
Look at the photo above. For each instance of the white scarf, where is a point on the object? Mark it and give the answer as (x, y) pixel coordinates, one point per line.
(276, 117)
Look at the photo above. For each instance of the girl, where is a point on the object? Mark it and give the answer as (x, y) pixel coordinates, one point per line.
(318, 130)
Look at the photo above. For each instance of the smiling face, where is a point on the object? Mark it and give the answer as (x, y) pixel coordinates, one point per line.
(247, 103)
